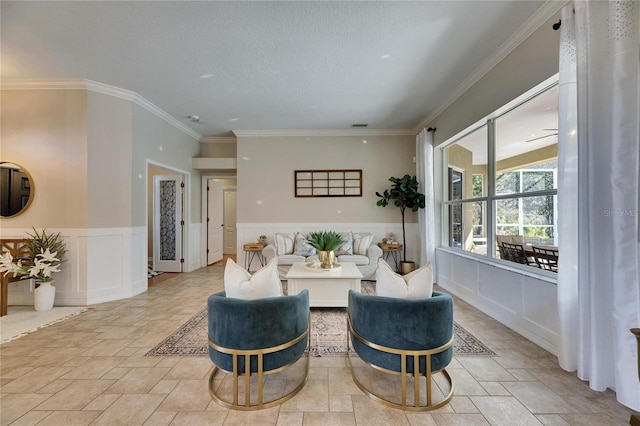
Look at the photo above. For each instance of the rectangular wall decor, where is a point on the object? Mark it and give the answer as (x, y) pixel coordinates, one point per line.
(328, 183)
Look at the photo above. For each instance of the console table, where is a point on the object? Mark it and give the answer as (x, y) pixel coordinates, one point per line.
(18, 249)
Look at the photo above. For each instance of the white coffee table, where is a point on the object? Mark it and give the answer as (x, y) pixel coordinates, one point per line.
(326, 288)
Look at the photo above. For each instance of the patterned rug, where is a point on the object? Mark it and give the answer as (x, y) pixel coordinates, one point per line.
(327, 335)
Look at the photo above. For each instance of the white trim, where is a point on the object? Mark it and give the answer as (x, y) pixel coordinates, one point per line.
(542, 15)
(335, 132)
(186, 215)
(218, 139)
(105, 89)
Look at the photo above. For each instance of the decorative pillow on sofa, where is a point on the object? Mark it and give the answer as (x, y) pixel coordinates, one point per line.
(347, 246)
(285, 243)
(361, 243)
(415, 285)
(240, 284)
(302, 247)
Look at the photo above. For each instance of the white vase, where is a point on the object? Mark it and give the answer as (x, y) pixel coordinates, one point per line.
(43, 296)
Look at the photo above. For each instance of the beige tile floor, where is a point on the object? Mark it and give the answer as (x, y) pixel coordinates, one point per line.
(91, 369)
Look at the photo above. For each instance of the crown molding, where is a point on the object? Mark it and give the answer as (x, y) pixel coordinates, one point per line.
(542, 15)
(97, 87)
(218, 139)
(335, 133)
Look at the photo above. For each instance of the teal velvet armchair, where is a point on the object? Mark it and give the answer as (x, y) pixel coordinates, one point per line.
(256, 338)
(410, 338)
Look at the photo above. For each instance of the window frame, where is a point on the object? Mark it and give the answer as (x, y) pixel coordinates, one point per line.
(489, 196)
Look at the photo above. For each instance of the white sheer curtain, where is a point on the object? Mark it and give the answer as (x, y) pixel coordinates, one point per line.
(426, 216)
(599, 148)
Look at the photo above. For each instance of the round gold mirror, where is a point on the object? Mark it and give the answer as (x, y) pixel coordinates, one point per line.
(16, 189)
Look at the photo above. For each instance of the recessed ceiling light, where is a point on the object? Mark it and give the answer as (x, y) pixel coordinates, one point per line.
(194, 118)
(385, 56)
(364, 141)
(234, 119)
(206, 76)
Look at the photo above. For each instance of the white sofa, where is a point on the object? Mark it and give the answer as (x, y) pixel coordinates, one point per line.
(363, 252)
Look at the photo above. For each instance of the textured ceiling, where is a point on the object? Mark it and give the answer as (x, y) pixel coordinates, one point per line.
(265, 65)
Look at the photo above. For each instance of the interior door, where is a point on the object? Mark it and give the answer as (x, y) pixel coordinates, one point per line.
(215, 211)
(230, 233)
(167, 223)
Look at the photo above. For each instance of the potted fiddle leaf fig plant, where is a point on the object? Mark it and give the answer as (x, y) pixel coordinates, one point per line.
(404, 193)
(326, 242)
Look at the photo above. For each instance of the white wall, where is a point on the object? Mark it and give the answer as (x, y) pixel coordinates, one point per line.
(524, 302)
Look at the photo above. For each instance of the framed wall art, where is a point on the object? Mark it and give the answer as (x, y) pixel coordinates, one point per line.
(328, 183)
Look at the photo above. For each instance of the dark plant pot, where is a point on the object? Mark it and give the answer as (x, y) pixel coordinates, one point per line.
(406, 267)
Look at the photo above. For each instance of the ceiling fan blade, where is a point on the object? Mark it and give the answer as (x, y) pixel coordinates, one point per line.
(541, 137)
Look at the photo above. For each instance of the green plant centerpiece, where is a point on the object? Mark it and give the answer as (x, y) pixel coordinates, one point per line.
(404, 193)
(326, 242)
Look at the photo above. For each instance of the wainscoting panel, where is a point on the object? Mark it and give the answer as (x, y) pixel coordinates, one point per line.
(522, 301)
(194, 253)
(101, 265)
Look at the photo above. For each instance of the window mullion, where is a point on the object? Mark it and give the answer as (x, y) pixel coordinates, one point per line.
(491, 186)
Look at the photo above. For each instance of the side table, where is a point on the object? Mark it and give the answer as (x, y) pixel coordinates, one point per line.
(253, 251)
(391, 250)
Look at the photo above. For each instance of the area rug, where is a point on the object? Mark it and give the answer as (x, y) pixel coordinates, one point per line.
(327, 335)
(151, 273)
(22, 320)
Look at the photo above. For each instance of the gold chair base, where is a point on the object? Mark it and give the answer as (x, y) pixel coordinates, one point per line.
(247, 406)
(404, 374)
(403, 405)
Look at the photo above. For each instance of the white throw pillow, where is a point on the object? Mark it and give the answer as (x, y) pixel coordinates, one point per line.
(285, 243)
(302, 246)
(361, 243)
(415, 285)
(239, 284)
(347, 246)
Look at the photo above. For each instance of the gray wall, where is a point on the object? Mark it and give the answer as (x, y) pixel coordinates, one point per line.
(266, 177)
(109, 160)
(159, 142)
(532, 62)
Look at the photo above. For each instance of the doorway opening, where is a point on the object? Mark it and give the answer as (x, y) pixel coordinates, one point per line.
(219, 217)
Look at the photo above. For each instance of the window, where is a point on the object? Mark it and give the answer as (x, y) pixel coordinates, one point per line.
(502, 176)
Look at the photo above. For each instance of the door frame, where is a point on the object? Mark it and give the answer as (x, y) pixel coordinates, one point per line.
(186, 217)
(203, 203)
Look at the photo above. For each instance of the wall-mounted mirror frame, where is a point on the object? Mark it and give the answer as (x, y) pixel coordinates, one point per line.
(17, 189)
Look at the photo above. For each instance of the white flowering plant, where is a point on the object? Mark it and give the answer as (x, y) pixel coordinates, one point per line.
(43, 256)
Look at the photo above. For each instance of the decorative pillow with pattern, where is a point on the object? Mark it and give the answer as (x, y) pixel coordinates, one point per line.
(347, 246)
(240, 284)
(284, 243)
(361, 243)
(302, 247)
(415, 285)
